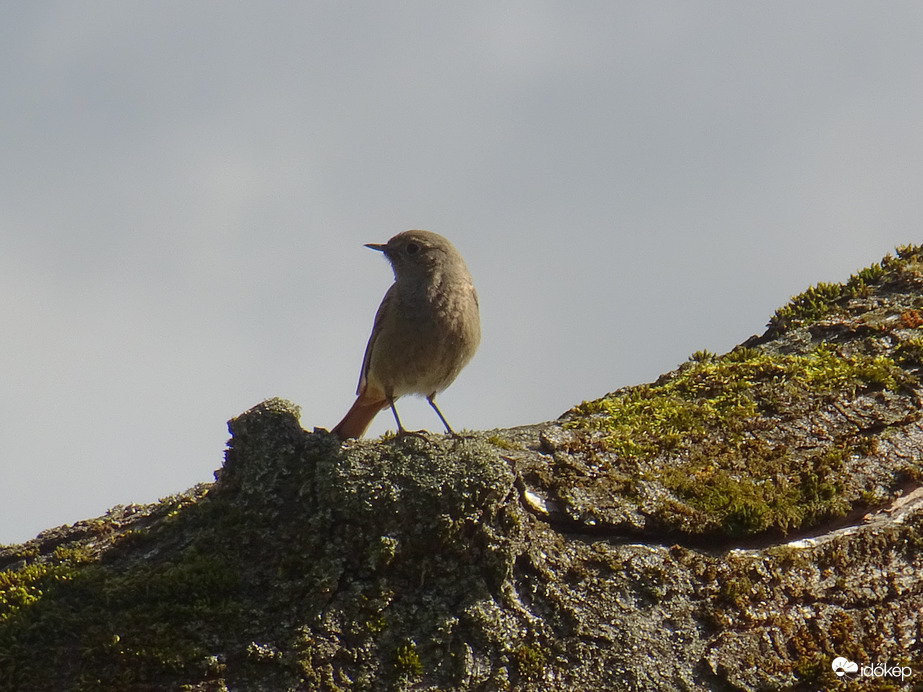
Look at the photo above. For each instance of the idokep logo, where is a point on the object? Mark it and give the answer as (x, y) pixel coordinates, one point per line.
(844, 667)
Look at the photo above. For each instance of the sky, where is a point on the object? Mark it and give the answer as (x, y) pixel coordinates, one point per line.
(186, 188)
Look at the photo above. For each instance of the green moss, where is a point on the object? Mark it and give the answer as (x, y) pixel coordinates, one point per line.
(21, 588)
(910, 352)
(774, 494)
(735, 591)
(113, 624)
(529, 662)
(26, 585)
(814, 672)
(502, 443)
(407, 661)
(824, 299)
(704, 415)
(740, 506)
(909, 253)
(809, 306)
(720, 395)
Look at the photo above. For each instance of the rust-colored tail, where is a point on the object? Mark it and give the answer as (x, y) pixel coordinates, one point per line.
(358, 418)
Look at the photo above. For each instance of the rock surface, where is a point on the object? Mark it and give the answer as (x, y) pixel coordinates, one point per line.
(736, 525)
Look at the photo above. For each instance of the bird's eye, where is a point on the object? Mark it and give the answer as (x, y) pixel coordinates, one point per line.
(412, 248)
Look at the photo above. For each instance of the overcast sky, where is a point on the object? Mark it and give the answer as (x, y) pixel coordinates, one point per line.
(185, 189)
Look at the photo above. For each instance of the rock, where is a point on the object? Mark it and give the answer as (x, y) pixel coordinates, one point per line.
(738, 524)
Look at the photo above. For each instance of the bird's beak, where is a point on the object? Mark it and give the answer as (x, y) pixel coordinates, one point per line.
(381, 247)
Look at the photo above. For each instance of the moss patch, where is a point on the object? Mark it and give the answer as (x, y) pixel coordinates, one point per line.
(724, 396)
(128, 621)
(769, 436)
(711, 419)
(824, 299)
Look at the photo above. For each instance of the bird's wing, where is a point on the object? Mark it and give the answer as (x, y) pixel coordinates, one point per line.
(376, 331)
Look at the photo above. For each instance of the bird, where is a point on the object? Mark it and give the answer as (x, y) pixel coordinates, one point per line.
(426, 330)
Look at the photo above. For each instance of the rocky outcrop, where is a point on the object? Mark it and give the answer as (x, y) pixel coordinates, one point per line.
(738, 524)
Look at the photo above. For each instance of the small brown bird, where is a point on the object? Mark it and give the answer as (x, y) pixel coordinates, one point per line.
(426, 330)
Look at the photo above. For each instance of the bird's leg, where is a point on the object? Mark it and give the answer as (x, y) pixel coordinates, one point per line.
(432, 402)
(400, 428)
